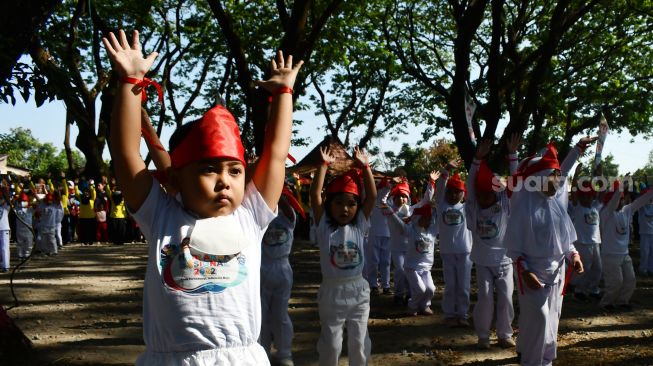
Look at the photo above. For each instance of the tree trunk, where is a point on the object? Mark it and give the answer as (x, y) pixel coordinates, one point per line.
(66, 144)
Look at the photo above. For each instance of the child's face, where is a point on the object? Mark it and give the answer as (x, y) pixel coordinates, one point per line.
(424, 221)
(343, 208)
(211, 187)
(585, 199)
(552, 183)
(454, 195)
(400, 200)
(485, 199)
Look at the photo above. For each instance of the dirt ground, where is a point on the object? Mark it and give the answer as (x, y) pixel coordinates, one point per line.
(83, 307)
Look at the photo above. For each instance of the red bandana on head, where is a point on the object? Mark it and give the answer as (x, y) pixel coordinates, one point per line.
(549, 160)
(609, 194)
(586, 189)
(216, 135)
(484, 178)
(24, 197)
(345, 183)
(400, 188)
(456, 183)
(292, 201)
(423, 211)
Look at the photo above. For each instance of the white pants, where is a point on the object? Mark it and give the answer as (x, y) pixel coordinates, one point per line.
(378, 261)
(538, 323)
(24, 241)
(619, 278)
(489, 278)
(401, 283)
(344, 302)
(588, 281)
(252, 355)
(457, 273)
(47, 243)
(276, 326)
(57, 235)
(421, 288)
(646, 253)
(4, 249)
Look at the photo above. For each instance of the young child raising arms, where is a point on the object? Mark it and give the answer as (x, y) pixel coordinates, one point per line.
(344, 295)
(202, 286)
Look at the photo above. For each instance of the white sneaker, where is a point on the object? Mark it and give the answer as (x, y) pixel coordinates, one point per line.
(506, 342)
(286, 362)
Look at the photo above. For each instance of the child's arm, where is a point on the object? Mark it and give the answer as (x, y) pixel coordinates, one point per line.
(393, 219)
(129, 166)
(442, 182)
(574, 185)
(512, 145)
(482, 150)
(428, 192)
(613, 203)
(368, 181)
(159, 155)
(271, 168)
(642, 200)
(574, 153)
(318, 183)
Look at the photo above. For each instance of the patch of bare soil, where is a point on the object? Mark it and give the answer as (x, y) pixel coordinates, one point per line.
(83, 307)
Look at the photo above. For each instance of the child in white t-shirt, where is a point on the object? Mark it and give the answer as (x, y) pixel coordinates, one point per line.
(277, 279)
(645, 220)
(201, 294)
(47, 212)
(4, 231)
(344, 295)
(24, 233)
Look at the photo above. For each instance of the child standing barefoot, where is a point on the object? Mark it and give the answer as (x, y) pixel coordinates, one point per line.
(201, 293)
(344, 295)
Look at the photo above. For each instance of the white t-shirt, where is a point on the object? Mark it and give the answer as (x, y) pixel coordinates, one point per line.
(397, 237)
(455, 237)
(420, 244)
(615, 230)
(488, 228)
(48, 216)
(341, 250)
(645, 219)
(277, 241)
(4, 217)
(26, 214)
(216, 303)
(378, 221)
(586, 222)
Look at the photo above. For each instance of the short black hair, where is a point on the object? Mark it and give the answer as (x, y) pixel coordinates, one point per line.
(180, 134)
(333, 224)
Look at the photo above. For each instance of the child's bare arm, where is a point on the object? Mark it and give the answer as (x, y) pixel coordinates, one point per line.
(160, 156)
(130, 169)
(271, 169)
(318, 183)
(368, 180)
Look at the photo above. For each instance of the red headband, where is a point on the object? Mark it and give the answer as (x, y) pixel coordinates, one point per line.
(216, 135)
(424, 210)
(549, 160)
(587, 189)
(615, 188)
(345, 183)
(292, 201)
(24, 197)
(400, 188)
(484, 178)
(456, 183)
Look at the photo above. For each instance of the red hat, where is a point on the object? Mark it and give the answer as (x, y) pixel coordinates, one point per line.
(456, 183)
(644, 191)
(345, 183)
(533, 164)
(292, 201)
(400, 188)
(609, 194)
(484, 178)
(587, 189)
(424, 210)
(24, 197)
(216, 135)
(49, 197)
(383, 183)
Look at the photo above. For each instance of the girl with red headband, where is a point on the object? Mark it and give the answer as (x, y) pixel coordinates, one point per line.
(487, 209)
(202, 286)
(277, 279)
(618, 271)
(24, 234)
(539, 236)
(47, 212)
(584, 212)
(455, 246)
(344, 295)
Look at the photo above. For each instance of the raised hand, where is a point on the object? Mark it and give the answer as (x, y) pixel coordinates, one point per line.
(513, 142)
(326, 155)
(585, 141)
(361, 157)
(128, 59)
(454, 164)
(282, 73)
(434, 175)
(483, 149)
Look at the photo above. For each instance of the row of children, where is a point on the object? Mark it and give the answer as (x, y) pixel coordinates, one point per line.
(202, 290)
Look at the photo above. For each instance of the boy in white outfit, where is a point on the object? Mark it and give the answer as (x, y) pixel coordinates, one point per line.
(47, 213)
(377, 252)
(4, 232)
(487, 211)
(455, 247)
(24, 234)
(202, 292)
(344, 295)
(645, 220)
(618, 271)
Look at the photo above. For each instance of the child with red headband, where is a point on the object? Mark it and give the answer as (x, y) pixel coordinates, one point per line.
(47, 212)
(584, 211)
(645, 220)
(277, 279)
(24, 234)
(455, 246)
(202, 286)
(539, 236)
(618, 271)
(487, 209)
(4, 228)
(344, 295)
(377, 250)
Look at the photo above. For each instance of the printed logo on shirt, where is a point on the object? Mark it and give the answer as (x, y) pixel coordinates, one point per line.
(423, 246)
(486, 229)
(196, 273)
(621, 230)
(275, 236)
(452, 217)
(346, 255)
(592, 218)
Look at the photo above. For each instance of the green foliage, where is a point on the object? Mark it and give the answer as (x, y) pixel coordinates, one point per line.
(418, 162)
(25, 151)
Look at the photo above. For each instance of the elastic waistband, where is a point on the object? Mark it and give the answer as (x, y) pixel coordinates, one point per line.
(341, 280)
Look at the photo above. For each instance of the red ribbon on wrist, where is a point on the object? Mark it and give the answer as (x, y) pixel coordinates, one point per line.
(143, 84)
(280, 90)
